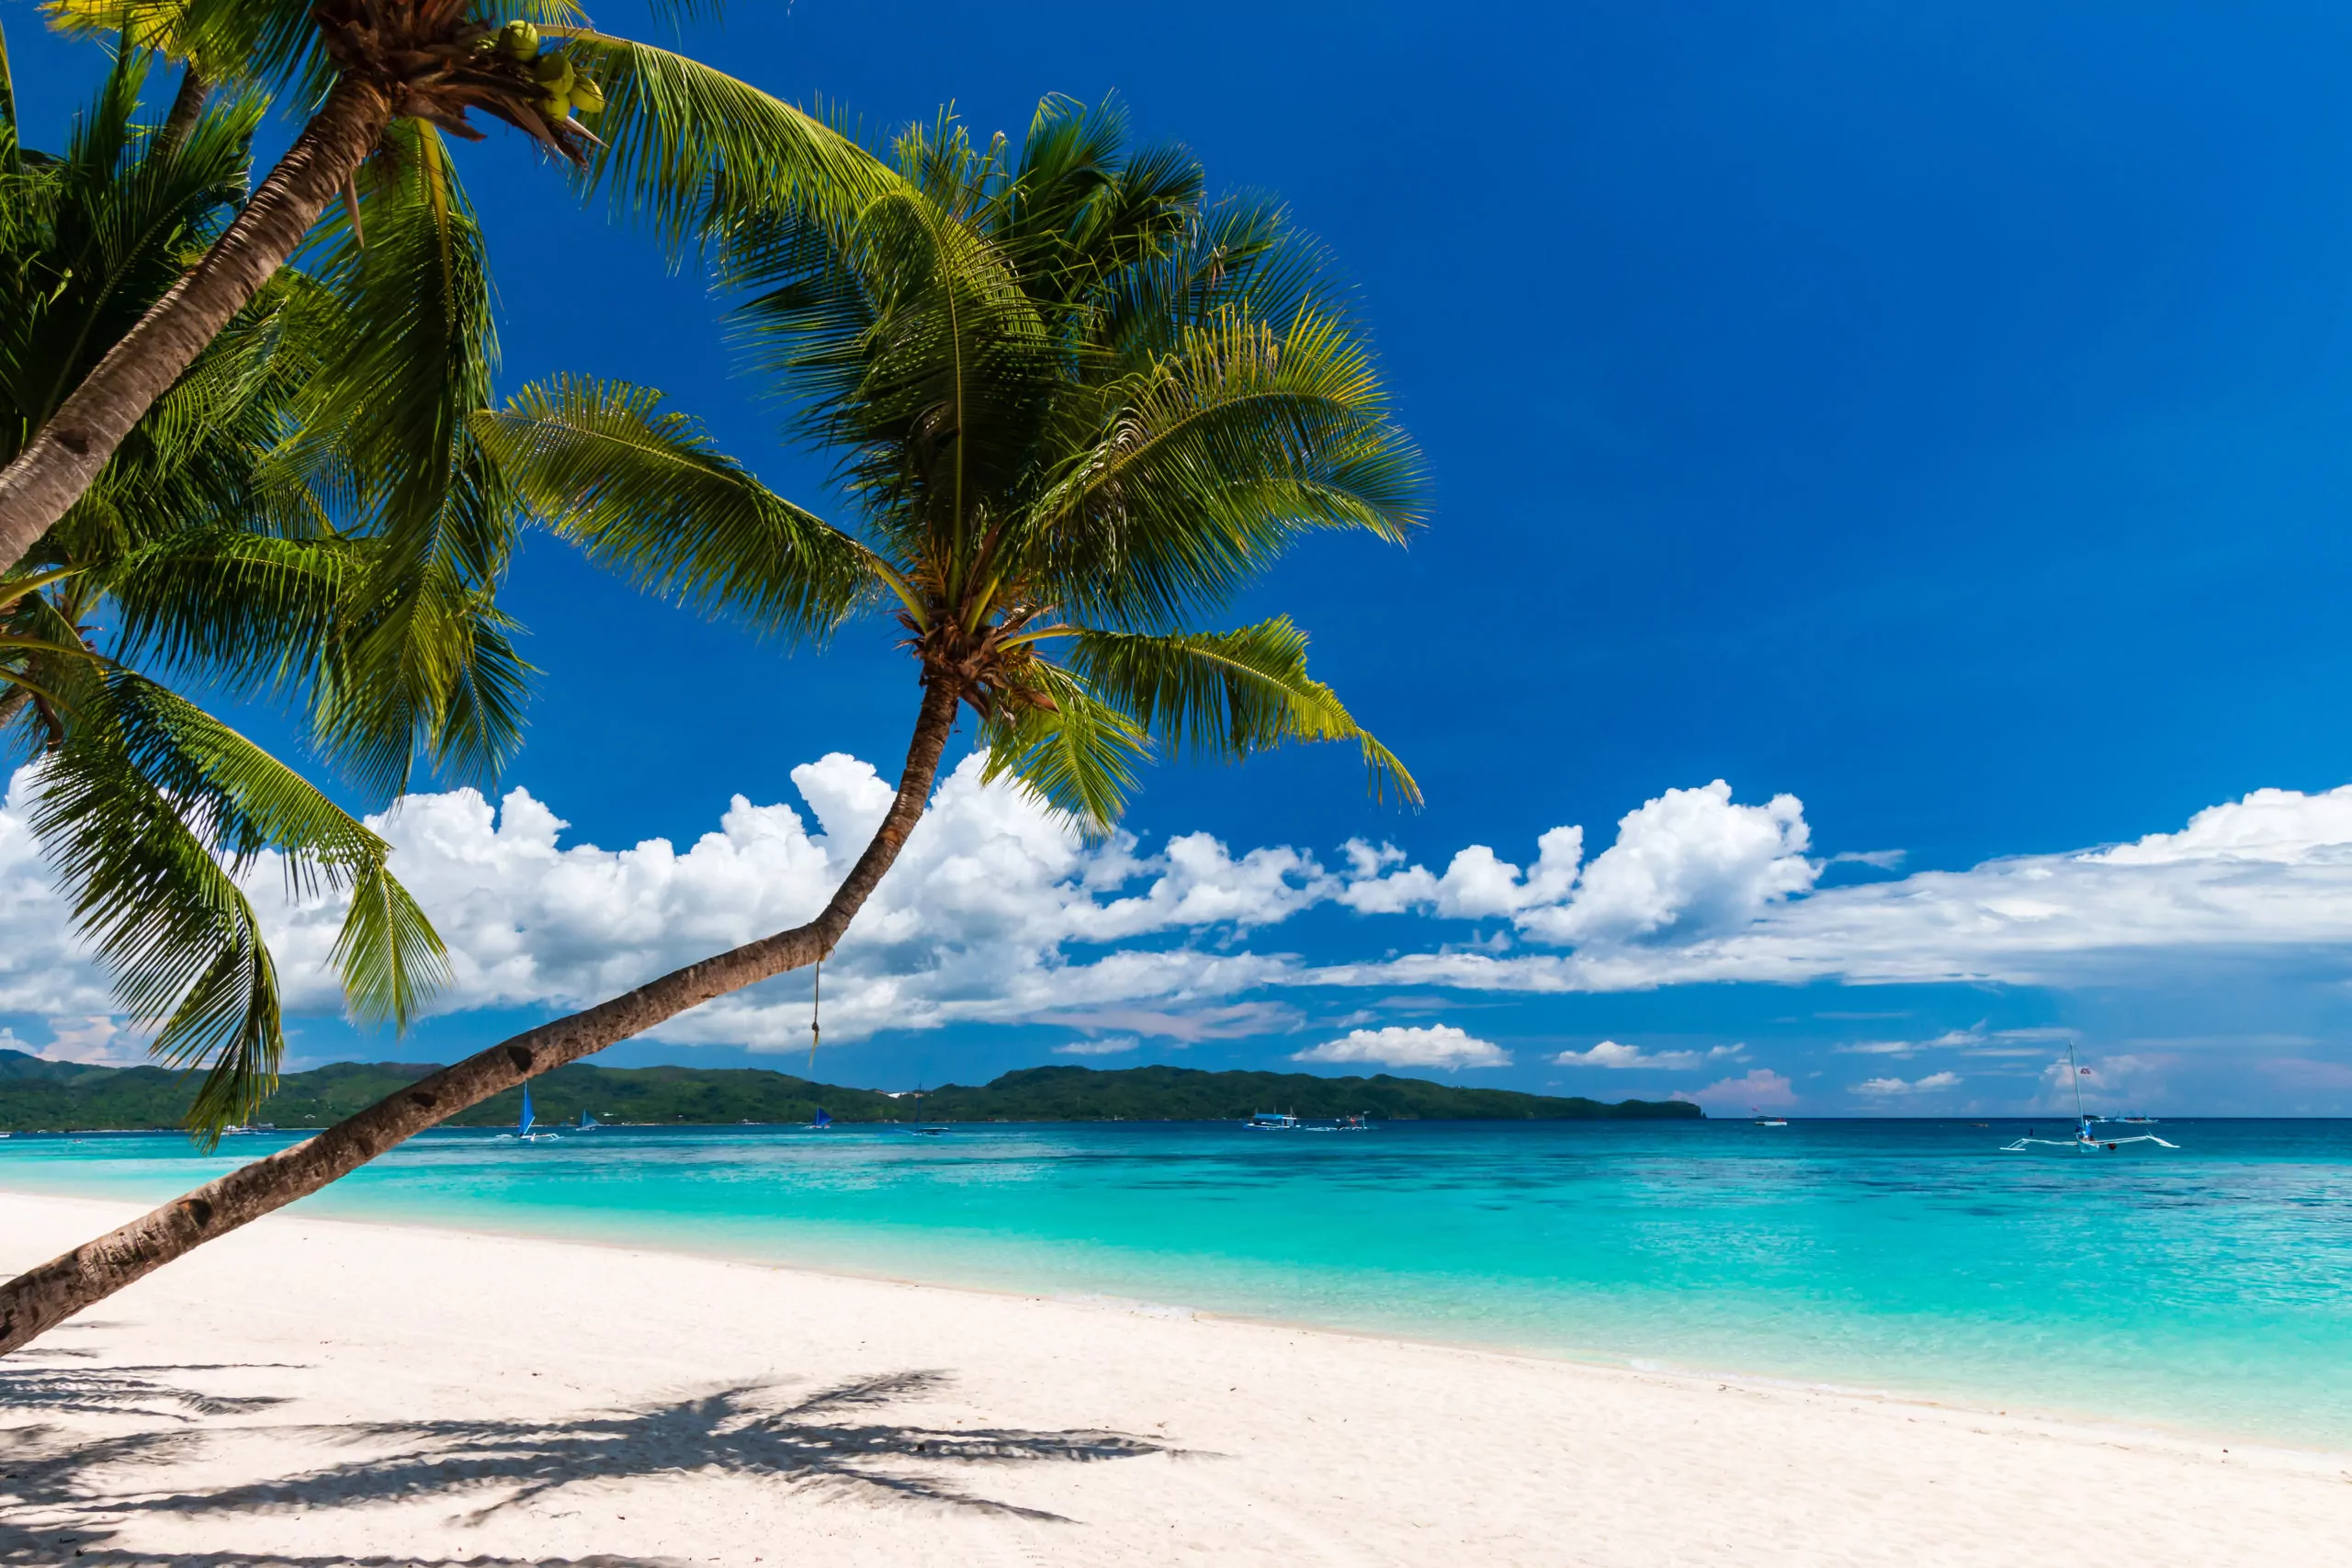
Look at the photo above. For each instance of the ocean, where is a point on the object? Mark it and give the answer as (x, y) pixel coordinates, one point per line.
(2208, 1289)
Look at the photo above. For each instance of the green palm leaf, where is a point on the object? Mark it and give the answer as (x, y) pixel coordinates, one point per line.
(646, 492)
(149, 811)
(1227, 694)
(1079, 756)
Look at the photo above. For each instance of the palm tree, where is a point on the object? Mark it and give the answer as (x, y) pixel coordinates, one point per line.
(1078, 407)
(203, 541)
(654, 127)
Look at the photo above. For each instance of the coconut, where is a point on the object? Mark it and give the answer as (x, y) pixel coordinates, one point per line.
(586, 95)
(519, 39)
(555, 111)
(554, 72)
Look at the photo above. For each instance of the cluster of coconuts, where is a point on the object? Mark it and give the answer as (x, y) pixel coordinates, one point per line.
(562, 87)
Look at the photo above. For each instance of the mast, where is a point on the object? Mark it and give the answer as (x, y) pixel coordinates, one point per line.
(2075, 1073)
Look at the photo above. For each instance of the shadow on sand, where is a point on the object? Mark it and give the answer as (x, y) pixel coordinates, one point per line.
(840, 1440)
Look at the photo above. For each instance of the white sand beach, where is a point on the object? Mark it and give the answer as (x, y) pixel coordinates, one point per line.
(315, 1393)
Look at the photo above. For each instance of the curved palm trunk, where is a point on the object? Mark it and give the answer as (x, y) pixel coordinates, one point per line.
(58, 465)
(188, 106)
(41, 1298)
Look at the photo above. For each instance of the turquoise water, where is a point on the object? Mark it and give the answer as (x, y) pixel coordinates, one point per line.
(2208, 1289)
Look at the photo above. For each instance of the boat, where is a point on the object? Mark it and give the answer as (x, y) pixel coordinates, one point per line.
(2135, 1121)
(1272, 1121)
(2086, 1140)
(525, 1125)
(586, 1124)
(1764, 1121)
(922, 1129)
(1354, 1124)
(821, 1122)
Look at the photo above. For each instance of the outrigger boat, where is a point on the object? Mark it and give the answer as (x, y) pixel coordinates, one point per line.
(1274, 1121)
(2085, 1141)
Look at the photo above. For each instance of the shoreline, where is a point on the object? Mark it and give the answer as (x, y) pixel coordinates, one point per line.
(1959, 1403)
(323, 1389)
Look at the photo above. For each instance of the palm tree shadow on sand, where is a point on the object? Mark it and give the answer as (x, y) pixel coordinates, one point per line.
(839, 1440)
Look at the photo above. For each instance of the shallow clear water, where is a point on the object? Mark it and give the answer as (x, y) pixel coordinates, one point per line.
(2209, 1288)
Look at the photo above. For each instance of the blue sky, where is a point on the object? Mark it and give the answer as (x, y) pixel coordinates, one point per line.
(1934, 413)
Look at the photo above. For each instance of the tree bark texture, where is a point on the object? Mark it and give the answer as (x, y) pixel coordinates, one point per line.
(188, 105)
(38, 1300)
(58, 465)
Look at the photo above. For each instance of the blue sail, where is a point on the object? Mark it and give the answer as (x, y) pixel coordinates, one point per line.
(822, 1120)
(523, 1128)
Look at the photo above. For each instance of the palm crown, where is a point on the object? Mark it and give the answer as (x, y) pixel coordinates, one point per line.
(1077, 406)
(204, 550)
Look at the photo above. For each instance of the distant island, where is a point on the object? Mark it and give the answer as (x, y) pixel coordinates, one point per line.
(37, 1095)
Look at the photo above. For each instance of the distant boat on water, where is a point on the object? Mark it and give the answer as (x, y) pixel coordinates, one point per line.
(2086, 1140)
(586, 1124)
(1764, 1121)
(821, 1122)
(1272, 1121)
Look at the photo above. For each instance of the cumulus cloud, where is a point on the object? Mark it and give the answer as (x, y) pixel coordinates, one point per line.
(1400, 1045)
(1760, 1089)
(997, 913)
(1888, 1089)
(2270, 875)
(1689, 861)
(1610, 1053)
(994, 912)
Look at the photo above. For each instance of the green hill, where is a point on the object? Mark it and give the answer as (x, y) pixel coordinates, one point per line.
(36, 1095)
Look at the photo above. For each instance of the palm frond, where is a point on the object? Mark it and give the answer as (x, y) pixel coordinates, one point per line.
(148, 810)
(1194, 475)
(686, 149)
(1227, 694)
(1078, 756)
(646, 492)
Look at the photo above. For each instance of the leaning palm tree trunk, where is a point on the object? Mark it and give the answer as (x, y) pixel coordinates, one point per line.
(38, 1300)
(58, 465)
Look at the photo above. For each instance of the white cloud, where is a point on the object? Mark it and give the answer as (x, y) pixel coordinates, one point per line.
(1887, 1088)
(1760, 1089)
(2281, 827)
(1476, 883)
(1689, 862)
(2102, 1082)
(996, 913)
(1117, 1045)
(1434, 1045)
(2268, 874)
(978, 922)
(1610, 1053)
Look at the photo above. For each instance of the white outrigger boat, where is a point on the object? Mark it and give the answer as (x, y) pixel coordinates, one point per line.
(2086, 1140)
(1283, 1121)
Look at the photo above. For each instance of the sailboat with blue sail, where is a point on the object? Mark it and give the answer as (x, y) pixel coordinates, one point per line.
(525, 1125)
(821, 1122)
